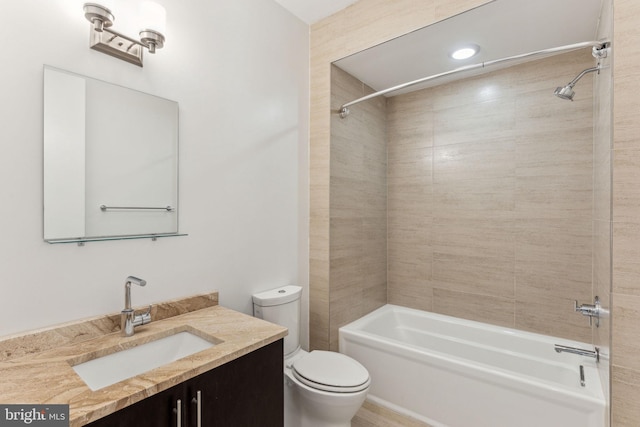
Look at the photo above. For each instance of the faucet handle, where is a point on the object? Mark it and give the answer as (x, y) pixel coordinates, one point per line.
(146, 316)
(586, 310)
(591, 310)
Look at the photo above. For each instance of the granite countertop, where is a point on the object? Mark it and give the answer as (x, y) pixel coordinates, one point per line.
(47, 377)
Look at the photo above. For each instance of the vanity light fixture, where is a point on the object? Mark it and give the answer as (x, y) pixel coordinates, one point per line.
(106, 40)
(465, 52)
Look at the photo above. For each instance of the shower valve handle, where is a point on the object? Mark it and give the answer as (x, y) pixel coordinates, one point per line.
(591, 310)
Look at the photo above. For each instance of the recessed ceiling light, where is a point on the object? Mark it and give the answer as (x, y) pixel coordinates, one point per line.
(465, 52)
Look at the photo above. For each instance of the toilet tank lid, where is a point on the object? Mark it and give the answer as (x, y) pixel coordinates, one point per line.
(277, 296)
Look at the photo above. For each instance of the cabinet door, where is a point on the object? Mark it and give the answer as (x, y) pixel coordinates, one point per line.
(246, 392)
(155, 411)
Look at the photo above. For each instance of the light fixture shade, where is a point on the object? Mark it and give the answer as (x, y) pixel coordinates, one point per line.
(153, 17)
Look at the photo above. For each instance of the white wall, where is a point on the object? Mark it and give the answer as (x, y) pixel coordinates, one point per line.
(239, 70)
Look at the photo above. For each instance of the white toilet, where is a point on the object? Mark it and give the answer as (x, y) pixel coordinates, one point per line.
(321, 388)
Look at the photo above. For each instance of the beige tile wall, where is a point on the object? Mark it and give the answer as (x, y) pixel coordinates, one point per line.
(490, 197)
(358, 205)
(625, 334)
(362, 25)
(369, 22)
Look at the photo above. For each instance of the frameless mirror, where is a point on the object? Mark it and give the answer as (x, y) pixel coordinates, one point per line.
(110, 161)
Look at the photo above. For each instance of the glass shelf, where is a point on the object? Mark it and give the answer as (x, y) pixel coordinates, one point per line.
(82, 240)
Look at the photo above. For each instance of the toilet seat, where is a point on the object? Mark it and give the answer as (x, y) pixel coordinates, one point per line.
(331, 371)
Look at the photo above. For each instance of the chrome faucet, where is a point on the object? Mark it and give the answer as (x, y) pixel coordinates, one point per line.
(128, 317)
(593, 311)
(579, 351)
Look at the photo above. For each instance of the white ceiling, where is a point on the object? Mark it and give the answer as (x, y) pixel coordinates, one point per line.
(312, 11)
(502, 29)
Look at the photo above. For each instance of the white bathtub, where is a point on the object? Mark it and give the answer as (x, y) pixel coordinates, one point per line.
(451, 372)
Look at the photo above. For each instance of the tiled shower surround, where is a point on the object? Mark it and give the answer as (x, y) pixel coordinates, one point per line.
(369, 22)
(358, 198)
(473, 199)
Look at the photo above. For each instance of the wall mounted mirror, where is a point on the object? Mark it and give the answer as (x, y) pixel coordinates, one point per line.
(110, 161)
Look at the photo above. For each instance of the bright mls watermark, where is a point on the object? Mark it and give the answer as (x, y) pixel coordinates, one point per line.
(34, 415)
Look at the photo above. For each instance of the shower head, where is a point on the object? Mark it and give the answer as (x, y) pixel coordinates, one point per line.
(566, 92)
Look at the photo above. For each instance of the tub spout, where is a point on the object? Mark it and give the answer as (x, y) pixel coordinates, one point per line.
(579, 351)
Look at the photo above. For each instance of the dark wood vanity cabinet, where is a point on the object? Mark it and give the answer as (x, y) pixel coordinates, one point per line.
(246, 392)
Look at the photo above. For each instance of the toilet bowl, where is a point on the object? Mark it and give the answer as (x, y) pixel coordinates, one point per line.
(322, 388)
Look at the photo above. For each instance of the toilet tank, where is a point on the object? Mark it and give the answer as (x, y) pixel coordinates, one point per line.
(282, 307)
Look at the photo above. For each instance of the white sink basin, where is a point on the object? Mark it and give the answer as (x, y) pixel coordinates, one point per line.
(115, 367)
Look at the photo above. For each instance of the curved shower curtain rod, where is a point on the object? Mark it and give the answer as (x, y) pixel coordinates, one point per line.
(597, 46)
